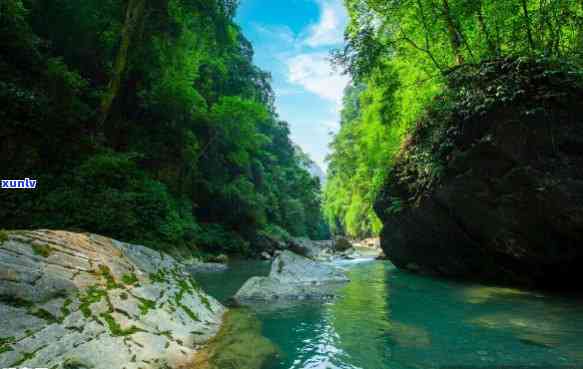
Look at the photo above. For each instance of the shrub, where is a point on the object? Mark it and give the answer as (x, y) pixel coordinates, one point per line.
(110, 195)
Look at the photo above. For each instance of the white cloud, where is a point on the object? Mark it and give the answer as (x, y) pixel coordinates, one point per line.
(331, 125)
(277, 33)
(287, 91)
(299, 62)
(330, 28)
(314, 73)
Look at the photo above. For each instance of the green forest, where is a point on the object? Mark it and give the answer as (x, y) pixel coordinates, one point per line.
(163, 203)
(402, 56)
(146, 121)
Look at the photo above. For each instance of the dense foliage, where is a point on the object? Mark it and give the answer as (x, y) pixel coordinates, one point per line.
(145, 121)
(400, 54)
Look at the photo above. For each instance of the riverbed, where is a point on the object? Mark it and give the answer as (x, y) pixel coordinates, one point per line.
(390, 319)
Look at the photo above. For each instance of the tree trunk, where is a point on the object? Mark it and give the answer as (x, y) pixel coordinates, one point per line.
(492, 47)
(528, 25)
(581, 33)
(134, 15)
(454, 34)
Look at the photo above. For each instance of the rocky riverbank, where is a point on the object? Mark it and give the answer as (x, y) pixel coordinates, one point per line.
(71, 300)
(325, 250)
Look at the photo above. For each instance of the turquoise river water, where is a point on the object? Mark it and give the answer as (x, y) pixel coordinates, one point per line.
(389, 319)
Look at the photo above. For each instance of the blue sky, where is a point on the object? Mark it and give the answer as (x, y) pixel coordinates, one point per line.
(292, 40)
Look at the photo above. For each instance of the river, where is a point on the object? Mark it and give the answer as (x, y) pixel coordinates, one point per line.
(389, 319)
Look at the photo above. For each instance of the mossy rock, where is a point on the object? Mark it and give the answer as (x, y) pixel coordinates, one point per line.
(221, 258)
(239, 344)
(129, 279)
(342, 244)
(42, 250)
(3, 236)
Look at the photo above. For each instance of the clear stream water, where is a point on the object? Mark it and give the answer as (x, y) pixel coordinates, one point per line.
(389, 319)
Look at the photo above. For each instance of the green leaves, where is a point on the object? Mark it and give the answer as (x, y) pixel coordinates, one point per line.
(191, 137)
(237, 128)
(404, 54)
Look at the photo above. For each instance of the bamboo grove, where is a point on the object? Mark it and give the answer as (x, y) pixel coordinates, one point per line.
(399, 52)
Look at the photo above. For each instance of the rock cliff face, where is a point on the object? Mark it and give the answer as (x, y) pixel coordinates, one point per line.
(494, 193)
(84, 301)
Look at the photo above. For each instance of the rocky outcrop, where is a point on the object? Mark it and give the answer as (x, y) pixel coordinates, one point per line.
(342, 244)
(493, 188)
(309, 248)
(293, 277)
(72, 300)
(269, 244)
(291, 268)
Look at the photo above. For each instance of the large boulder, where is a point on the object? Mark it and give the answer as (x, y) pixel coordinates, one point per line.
(291, 268)
(269, 244)
(71, 300)
(302, 246)
(317, 250)
(293, 277)
(342, 244)
(493, 189)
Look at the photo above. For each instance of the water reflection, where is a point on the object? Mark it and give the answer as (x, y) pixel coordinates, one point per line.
(388, 319)
(484, 294)
(361, 317)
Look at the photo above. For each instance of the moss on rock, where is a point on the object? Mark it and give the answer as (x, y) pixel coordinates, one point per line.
(3, 236)
(108, 276)
(92, 295)
(129, 279)
(42, 250)
(115, 328)
(239, 344)
(5, 344)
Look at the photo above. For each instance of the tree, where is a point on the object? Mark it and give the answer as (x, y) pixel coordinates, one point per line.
(133, 18)
(190, 151)
(399, 54)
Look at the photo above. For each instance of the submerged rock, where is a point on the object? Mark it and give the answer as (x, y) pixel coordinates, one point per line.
(407, 335)
(292, 277)
(238, 345)
(71, 300)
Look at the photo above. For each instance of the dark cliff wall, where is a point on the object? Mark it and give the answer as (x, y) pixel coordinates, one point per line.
(490, 184)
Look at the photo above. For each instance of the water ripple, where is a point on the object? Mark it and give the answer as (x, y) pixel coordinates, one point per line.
(388, 319)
